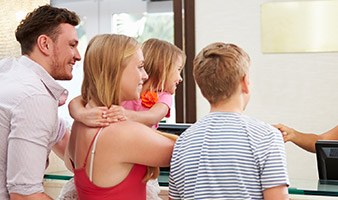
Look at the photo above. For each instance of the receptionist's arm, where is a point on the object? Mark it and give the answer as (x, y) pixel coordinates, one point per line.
(306, 141)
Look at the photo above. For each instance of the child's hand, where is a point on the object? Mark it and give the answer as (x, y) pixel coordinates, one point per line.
(94, 117)
(115, 114)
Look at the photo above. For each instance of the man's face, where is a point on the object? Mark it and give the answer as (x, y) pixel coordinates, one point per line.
(65, 53)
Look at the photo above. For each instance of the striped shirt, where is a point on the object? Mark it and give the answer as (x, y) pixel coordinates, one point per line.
(227, 156)
(29, 125)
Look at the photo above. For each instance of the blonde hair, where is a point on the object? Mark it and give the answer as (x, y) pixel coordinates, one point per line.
(159, 59)
(223, 66)
(105, 59)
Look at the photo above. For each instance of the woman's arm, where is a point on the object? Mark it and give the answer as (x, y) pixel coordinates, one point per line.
(136, 143)
(306, 141)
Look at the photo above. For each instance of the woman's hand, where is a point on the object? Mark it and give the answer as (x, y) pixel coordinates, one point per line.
(288, 133)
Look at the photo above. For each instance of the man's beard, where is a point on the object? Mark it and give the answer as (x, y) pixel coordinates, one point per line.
(58, 71)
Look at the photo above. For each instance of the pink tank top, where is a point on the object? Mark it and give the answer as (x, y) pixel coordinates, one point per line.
(132, 187)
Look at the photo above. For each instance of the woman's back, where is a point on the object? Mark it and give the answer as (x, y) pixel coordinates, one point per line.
(126, 179)
(118, 147)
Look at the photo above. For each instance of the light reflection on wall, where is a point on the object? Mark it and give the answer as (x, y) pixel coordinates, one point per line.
(11, 13)
(299, 26)
(143, 26)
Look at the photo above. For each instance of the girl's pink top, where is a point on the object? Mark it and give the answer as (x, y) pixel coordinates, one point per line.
(136, 105)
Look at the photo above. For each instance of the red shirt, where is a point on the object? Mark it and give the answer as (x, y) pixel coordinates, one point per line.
(132, 187)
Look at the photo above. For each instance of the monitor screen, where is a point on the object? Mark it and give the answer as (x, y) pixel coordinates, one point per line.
(176, 129)
(327, 160)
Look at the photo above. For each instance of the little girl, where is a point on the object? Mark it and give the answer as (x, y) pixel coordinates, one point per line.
(163, 63)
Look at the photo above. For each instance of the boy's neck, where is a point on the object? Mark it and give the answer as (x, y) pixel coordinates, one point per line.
(234, 104)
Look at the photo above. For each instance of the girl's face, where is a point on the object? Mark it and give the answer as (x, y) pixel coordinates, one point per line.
(133, 77)
(174, 77)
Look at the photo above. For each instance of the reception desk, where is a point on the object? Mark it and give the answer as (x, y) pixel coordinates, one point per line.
(297, 187)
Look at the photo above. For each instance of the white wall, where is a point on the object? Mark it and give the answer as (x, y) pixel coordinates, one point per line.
(298, 89)
(294, 89)
(96, 17)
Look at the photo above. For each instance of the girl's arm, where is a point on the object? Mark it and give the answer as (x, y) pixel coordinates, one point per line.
(150, 117)
(158, 109)
(93, 117)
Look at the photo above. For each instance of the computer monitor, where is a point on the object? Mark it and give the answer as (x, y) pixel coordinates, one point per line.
(176, 129)
(327, 160)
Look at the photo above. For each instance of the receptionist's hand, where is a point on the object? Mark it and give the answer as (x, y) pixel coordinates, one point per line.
(288, 133)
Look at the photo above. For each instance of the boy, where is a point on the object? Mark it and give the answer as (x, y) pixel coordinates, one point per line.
(226, 154)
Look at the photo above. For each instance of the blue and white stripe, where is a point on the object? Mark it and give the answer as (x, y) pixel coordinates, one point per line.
(227, 156)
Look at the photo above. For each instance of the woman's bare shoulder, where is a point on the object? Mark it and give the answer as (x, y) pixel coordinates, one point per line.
(126, 125)
(126, 129)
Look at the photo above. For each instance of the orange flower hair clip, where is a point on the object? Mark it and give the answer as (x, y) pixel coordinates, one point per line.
(148, 99)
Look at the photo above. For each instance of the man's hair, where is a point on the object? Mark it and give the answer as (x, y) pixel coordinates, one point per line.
(159, 59)
(44, 20)
(218, 70)
(106, 57)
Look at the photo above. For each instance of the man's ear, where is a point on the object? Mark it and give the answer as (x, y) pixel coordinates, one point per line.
(44, 44)
(245, 84)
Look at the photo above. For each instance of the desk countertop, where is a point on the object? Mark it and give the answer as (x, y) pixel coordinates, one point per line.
(297, 186)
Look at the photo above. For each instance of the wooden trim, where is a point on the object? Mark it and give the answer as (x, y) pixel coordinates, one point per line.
(178, 39)
(189, 36)
(178, 27)
(184, 37)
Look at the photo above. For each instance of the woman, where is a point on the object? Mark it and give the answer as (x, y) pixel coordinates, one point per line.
(306, 141)
(110, 162)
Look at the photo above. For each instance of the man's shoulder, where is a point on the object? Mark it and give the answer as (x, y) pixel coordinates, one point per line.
(23, 87)
(20, 86)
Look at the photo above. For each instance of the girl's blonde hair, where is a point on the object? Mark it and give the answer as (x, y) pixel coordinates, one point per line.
(105, 59)
(159, 59)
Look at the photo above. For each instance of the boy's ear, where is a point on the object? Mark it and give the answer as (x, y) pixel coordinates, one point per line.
(245, 84)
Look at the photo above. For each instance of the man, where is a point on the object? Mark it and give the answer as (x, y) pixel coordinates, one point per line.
(29, 99)
(226, 154)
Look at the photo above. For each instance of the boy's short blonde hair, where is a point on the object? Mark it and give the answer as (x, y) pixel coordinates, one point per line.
(218, 70)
